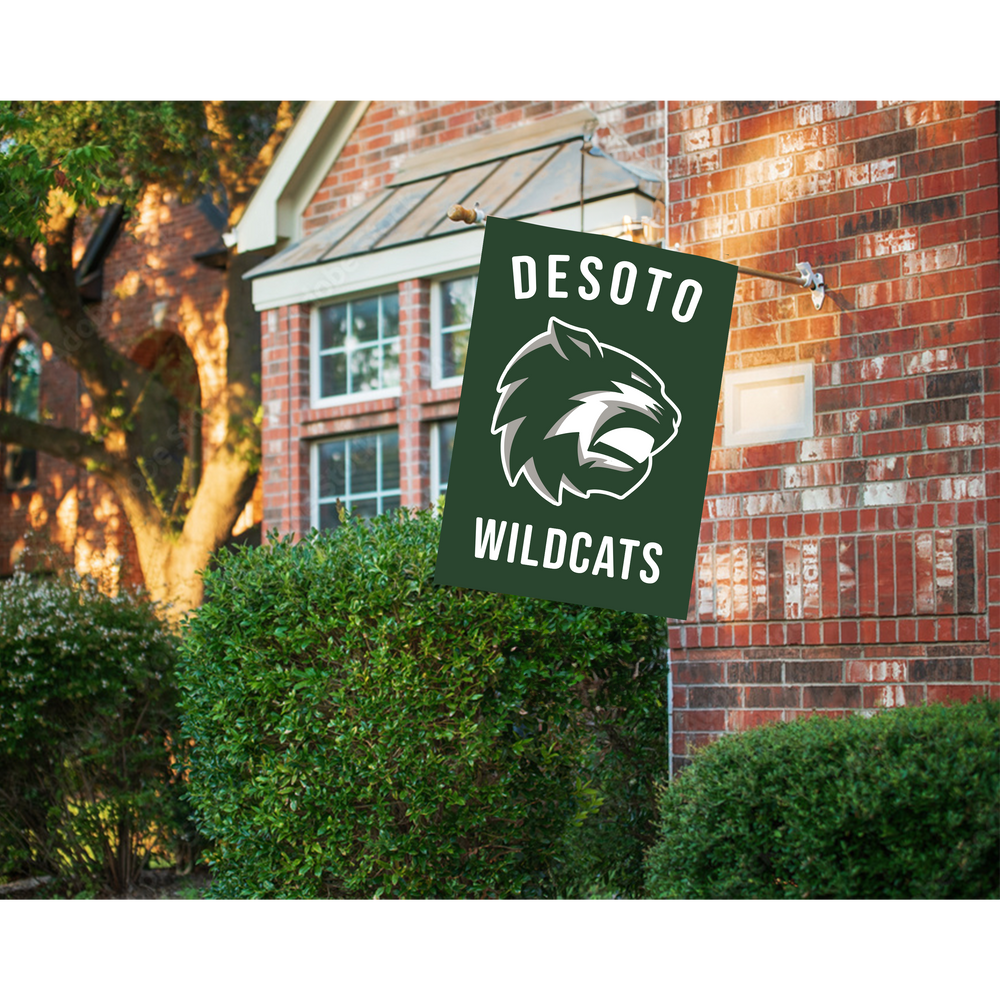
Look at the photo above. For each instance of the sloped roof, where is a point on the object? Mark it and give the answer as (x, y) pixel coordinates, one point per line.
(519, 186)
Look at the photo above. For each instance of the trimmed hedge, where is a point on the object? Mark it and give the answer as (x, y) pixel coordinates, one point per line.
(903, 804)
(358, 732)
(87, 703)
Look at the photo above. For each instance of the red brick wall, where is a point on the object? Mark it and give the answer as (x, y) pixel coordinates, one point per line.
(40, 518)
(857, 568)
(392, 130)
(285, 393)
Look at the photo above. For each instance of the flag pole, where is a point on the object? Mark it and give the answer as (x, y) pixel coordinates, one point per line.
(807, 278)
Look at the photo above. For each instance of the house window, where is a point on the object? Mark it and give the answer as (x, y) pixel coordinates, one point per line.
(452, 319)
(361, 472)
(357, 347)
(21, 377)
(442, 442)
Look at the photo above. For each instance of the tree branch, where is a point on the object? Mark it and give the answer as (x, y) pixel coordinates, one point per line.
(60, 442)
(22, 252)
(51, 305)
(283, 121)
(239, 175)
(223, 145)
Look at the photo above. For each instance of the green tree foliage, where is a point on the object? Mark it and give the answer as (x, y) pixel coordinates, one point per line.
(91, 153)
(63, 163)
(87, 707)
(358, 732)
(902, 805)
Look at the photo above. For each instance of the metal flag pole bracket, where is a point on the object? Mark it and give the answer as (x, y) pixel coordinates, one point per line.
(808, 278)
(814, 280)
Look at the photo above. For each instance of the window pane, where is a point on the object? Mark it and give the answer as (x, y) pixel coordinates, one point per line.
(329, 519)
(332, 481)
(390, 315)
(390, 365)
(23, 373)
(446, 442)
(390, 461)
(456, 347)
(332, 326)
(364, 467)
(332, 375)
(364, 508)
(20, 467)
(457, 298)
(364, 369)
(365, 320)
(21, 379)
(390, 503)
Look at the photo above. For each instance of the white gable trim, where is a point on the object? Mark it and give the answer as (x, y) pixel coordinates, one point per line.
(303, 161)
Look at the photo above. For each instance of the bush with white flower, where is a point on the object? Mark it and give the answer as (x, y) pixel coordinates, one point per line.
(87, 708)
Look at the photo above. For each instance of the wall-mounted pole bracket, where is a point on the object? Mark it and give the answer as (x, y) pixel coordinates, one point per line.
(814, 280)
(806, 278)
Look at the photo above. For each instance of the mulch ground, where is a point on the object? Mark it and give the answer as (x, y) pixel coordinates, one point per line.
(163, 883)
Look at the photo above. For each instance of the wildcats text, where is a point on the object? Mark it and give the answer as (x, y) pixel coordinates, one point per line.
(580, 552)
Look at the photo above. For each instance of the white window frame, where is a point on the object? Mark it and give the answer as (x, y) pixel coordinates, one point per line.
(316, 400)
(797, 377)
(348, 499)
(437, 331)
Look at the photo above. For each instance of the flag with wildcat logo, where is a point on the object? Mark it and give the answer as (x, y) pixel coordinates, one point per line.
(585, 427)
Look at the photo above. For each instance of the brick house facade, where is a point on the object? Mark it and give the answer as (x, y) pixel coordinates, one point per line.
(156, 292)
(849, 560)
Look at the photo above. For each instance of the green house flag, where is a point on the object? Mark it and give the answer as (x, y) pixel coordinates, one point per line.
(585, 428)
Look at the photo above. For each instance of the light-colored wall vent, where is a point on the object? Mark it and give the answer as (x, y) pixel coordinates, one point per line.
(763, 405)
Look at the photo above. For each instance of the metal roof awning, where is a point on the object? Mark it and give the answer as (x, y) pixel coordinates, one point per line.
(526, 184)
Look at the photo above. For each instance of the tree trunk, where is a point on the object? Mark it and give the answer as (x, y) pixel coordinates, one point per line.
(171, 569)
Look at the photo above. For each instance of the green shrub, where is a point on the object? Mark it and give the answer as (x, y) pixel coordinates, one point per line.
(87, 703)
(358, 732)
(904, 804)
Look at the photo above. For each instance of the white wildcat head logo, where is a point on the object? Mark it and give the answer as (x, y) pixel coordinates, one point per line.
(580, 416)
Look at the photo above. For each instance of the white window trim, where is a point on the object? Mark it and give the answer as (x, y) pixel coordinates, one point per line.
(437, 382)
(314, 484)
(316, 401)
(796, 374)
